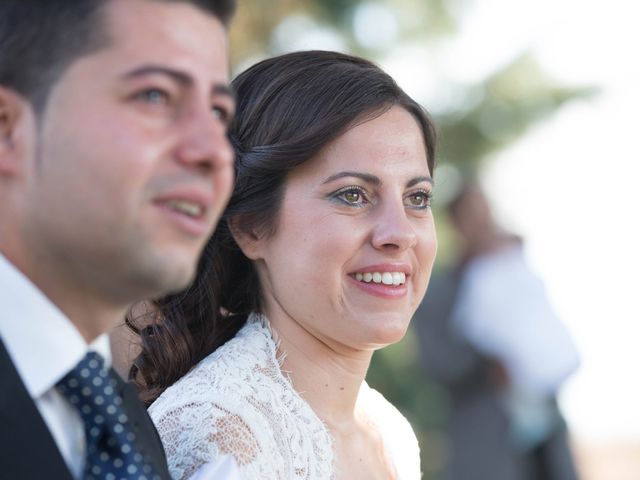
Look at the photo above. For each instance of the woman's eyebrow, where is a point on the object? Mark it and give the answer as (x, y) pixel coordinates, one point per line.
(373, 180)
(417, 180)
(367, 177)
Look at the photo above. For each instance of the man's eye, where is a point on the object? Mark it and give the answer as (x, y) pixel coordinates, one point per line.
(154, 96)
(221, 113)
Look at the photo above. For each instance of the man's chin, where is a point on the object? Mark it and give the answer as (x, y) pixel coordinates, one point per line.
(180, 283)
(164, 278)
(177, 280)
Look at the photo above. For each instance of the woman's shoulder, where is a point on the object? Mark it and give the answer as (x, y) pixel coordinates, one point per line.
(375, 402)
(226, 372)
(238, 401)
(399, 437)
(209, 412)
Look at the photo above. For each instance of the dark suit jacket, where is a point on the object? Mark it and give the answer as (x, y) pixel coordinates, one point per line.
(27, 449)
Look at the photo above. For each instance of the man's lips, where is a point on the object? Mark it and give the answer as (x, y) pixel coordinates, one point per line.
(191, 209)
(188, 209)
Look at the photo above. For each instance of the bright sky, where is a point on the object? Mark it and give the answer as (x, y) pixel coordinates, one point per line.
(570, 187)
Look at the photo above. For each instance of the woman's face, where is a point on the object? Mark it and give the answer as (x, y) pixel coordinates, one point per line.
(352, 253)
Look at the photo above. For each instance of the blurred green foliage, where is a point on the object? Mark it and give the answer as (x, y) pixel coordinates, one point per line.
(492, 114)
(502, 108)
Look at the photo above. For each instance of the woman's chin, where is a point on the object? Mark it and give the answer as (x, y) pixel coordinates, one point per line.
(387, 332)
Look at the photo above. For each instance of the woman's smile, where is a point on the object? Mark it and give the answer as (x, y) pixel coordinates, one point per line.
(355, 236)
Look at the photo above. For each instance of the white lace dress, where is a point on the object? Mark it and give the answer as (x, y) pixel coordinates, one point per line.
(237, 401)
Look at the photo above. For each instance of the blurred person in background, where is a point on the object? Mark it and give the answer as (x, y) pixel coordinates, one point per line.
(488, 335)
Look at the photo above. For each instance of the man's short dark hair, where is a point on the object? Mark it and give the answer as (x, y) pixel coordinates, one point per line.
(39, 39)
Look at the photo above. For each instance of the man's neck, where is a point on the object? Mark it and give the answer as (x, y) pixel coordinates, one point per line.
(88, 311)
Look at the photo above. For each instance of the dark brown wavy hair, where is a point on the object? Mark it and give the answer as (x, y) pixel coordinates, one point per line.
(289, 108)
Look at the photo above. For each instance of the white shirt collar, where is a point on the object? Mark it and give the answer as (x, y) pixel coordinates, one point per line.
(42, 342)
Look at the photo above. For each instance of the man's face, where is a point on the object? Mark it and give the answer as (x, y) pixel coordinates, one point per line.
(131, 166)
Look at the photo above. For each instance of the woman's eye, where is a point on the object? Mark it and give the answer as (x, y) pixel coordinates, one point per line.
(419, 200)
(352, 196)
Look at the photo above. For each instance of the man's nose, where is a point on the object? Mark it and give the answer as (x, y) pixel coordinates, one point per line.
(204, 145)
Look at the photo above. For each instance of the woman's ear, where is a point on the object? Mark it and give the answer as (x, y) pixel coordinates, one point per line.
(250, 242)
(14, 112)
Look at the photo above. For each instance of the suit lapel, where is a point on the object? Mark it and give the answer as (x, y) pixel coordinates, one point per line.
(28, 449)
(147, 436)
(29, 452)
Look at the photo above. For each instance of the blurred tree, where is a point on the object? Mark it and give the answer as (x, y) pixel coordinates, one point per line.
(492, 113)
(256, 21)
(512, 100)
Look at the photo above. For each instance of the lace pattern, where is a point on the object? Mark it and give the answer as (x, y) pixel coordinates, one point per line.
(237, 401)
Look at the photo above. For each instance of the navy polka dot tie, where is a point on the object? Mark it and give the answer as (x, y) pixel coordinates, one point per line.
(112, 453)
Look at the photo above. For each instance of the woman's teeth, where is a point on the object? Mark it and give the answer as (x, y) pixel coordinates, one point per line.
(386, 278)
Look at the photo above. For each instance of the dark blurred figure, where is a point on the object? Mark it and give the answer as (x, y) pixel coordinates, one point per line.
(489, 337)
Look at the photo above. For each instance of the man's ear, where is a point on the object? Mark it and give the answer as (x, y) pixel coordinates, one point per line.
(14, 112)
(248, 240)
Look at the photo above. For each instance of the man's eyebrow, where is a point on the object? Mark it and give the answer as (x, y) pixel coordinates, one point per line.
(367, 177)
(223, 89)
(178, 76)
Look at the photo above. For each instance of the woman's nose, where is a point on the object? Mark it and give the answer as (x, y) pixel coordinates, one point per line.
(393, 230)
